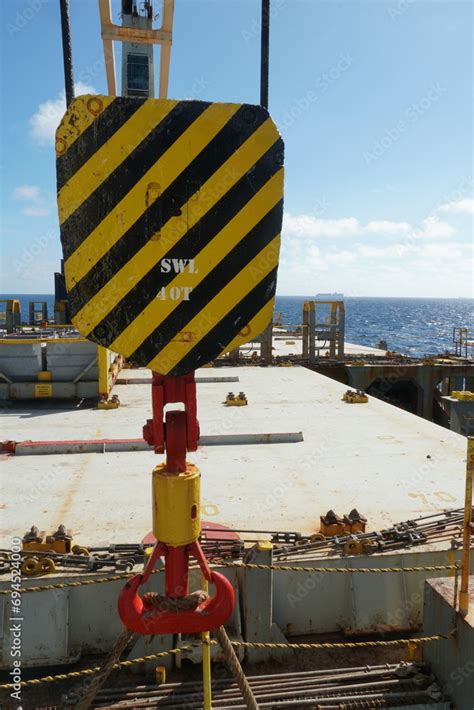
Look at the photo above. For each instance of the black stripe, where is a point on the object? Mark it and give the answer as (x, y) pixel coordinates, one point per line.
(105, 125)
(217, 339)
(232, 264)
(220, 148)
(113, 189)
(189, 246)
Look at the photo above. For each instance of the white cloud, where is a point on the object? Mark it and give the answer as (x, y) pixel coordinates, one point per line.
(35, 205)
(434, 228)
(26, 192)
(384, 226)
(392, 251)
(48, 116)
(305, 225)
(340, 257)
(442, 252)
(376, 257)
(465, 206)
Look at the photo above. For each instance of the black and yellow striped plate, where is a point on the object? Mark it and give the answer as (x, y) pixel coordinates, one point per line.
(170, 215)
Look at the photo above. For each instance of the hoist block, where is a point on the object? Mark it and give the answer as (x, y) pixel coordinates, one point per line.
(170, 216)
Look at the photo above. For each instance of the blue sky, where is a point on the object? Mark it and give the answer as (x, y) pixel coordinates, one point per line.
(373, 100)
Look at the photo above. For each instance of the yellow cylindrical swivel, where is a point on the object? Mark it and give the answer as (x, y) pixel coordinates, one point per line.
(176, 505)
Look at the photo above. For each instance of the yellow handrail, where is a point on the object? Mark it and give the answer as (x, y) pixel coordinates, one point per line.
(464, 590)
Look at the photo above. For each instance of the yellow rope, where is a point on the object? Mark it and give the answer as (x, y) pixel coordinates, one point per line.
(245, 644)
(64, 585)
(342, 644)
(377, 570)
(276, 568)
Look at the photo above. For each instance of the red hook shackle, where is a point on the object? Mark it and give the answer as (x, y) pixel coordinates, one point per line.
(140, 616)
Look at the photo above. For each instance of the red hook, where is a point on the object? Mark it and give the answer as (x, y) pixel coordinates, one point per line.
(180, 433)
(140, 616)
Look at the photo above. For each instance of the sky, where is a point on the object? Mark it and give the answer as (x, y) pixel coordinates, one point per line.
(374, 103)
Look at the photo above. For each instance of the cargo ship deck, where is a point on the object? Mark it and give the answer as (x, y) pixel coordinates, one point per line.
(294, 452)
(389, 464)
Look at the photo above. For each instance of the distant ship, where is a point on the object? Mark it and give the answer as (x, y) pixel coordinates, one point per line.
(329, 296)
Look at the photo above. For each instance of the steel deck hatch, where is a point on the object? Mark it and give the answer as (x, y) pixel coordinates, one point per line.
(170, 215)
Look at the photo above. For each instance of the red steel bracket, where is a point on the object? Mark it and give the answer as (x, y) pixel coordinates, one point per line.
(167, 390)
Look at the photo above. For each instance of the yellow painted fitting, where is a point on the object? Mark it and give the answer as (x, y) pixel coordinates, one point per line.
(414, 652)
(451, 562)
(29, 566)
(355, 397)
(160, 675)
(43, 390)
(176, 505)
(206, 659)
(44, 376)
(103, 366)
(46, 566)
(232, 401)
(33, 567)
(463, 395)
(80, 550)
(264, 545)
(108, 405)
(112, 403)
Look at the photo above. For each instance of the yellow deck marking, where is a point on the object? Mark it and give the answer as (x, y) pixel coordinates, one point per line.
(211, 192)
(218, 307)
(207, 259)
(109, 156)
(73, 125)
(171, 164)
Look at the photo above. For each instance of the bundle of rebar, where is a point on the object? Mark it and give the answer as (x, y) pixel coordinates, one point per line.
(446, 527)
(365, 686)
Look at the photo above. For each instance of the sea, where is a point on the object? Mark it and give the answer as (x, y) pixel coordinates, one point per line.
(412, 326)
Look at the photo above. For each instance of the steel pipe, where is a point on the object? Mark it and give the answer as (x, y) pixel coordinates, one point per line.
(67, 50)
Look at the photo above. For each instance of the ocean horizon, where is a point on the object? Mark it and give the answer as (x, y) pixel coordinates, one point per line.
(410, 325)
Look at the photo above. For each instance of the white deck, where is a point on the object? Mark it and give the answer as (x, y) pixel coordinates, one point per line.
(293, 345)
(389, 464)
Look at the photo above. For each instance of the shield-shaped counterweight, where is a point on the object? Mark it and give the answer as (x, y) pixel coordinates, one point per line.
(170, 215)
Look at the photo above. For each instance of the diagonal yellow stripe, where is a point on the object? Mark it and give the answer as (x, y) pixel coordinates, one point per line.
(173, 162)
(77, 118)
(217, 308)
(210, 193)
(109, 156)
(207, 259)
(254, 327)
